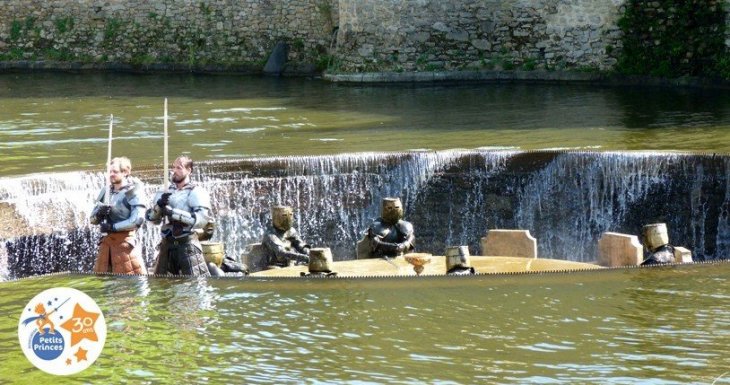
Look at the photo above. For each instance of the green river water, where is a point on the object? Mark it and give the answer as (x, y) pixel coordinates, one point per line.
(668, 325)
(54, 122)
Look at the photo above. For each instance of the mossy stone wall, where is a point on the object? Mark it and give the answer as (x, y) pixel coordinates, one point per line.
(164, 31)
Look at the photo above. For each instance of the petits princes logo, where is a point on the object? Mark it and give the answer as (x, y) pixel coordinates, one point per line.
(62, 331)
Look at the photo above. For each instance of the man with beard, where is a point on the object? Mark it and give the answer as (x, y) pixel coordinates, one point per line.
(184, 210)
(390, 235)
(118, 221)
(282, 242)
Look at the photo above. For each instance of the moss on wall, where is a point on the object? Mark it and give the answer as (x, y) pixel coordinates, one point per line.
(673, 38)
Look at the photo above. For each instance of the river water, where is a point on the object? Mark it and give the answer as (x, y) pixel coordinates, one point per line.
(664, 325)
(52, 122)
(667, 325)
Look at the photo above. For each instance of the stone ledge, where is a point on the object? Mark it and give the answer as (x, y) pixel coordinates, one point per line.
(537, 76)
(309, 70)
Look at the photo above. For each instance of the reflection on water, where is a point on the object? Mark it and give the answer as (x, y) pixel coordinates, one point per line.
(60, 121)
(656, 326)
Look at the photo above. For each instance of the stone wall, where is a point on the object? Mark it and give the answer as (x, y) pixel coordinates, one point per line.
(476, 34)
(164, 31)
(371, 35)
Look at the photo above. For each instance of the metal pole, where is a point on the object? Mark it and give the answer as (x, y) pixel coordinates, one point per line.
(107, 182)
(166, 172)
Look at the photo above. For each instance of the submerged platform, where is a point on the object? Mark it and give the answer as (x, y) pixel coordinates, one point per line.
(400, 267)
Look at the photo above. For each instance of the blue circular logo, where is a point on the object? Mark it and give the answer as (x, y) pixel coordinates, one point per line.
(47, 345)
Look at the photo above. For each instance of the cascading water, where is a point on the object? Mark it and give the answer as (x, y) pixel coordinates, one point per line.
(566, 200)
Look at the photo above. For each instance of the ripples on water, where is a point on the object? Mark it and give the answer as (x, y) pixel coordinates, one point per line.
(650, 326)
(51, 122)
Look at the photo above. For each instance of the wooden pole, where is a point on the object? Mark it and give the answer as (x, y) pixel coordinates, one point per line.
(166, 172)
(107, 182)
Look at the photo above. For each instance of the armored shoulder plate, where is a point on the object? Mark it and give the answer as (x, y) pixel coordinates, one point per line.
(404, 227)
(291, 233)
(135, 193)
(199, 197)
(378, 227)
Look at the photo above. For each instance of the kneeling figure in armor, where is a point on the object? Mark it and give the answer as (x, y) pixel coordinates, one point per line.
(390, 235)
(282, 242)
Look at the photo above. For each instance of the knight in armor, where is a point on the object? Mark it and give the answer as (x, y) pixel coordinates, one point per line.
(656, 243)
(183, 211)
(390, 235)
(118, 221)
(282, 242)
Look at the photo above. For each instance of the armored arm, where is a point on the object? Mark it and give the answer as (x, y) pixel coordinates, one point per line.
(135, 199)
(279, 249)
(136, 218)
(406, 235)
(405, 239)
(199, 201)
(155, 213)
(100, 211)
(298, 243)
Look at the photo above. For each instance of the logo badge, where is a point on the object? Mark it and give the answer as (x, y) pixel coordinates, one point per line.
(62, 331)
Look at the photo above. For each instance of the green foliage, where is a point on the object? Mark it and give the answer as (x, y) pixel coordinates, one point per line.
(205, 9)
(111, 29)
(723, 67)
(64, 24)
(14, 53)
(60, 55)
(141, 59)
(323, 62)
(677, 38)
(431, 67)
(29, 22)
(298, 44)
(16, 27)
(529, 64)
(588, 69)
(325, 9)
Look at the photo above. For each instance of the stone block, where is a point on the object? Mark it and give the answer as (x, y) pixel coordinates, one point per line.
(682, 255)
(364, 249)
(509, 243)
(254, 257)
(616, 249)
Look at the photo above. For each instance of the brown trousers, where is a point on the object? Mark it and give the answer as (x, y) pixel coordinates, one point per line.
(117, 254)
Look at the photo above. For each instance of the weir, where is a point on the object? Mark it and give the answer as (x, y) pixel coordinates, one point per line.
(565, 199)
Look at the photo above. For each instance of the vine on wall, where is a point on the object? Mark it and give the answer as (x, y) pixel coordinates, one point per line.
(672, 38)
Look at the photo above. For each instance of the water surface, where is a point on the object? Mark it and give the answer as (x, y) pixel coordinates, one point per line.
(667, 325)
(52, 121)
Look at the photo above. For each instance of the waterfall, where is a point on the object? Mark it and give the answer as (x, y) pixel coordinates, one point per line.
(565, 199)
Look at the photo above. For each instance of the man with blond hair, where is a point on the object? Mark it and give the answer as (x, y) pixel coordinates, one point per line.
(119, 251)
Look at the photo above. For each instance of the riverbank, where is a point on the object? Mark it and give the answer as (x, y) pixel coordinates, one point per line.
(310, 70)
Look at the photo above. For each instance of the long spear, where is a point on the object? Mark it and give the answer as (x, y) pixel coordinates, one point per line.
(107, 183)
(165, 171)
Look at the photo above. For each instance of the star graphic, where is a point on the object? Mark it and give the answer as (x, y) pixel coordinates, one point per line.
(68, 362)
(81, 325)
(80, 354)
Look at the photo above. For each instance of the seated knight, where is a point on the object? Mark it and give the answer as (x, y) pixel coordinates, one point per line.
(390, 235)
(656, 242)
(282, 242)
